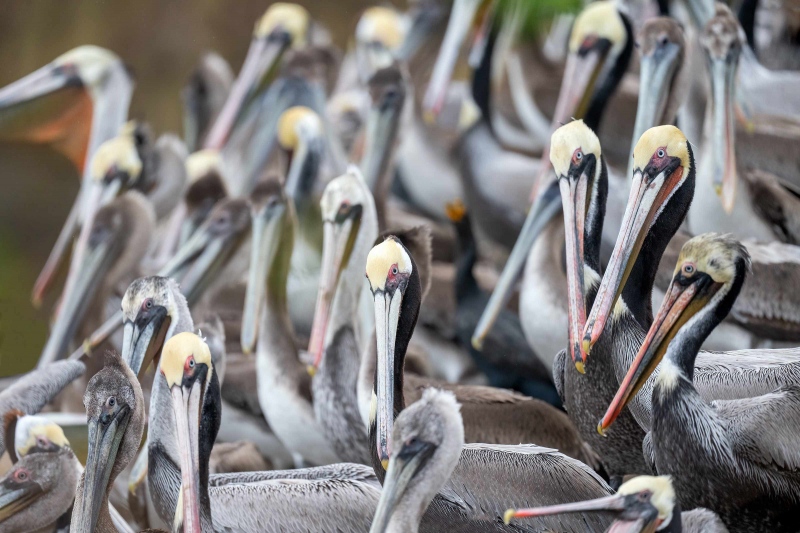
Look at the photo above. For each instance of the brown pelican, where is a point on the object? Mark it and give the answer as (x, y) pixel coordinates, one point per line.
(48, 487)
(644, 503)
(32, 391)
(88, 86)
(203, 97)
(119, 238)
(340, 497)
(283, 25)
(734, 457)
(662, 187)
(343, 322)
(395, 284)
(387, 91)
(115, 412)
(736, 193)
(284, 385)
(428, 437)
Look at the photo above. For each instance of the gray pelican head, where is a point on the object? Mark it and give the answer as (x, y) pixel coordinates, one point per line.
(115, 168)
(645, 503)
(273, 240)
(427, 440)
(388, 93)
(37, 490)
(707, 279)
(664, 76)
(662, 164)
(203, 97)
(380, 33)
(395, 285)
(187, 367)
(722, 40)
(152, 309)
(348, 211)
(282, 26)
(301, 135)
(119, 237)
(115, 413)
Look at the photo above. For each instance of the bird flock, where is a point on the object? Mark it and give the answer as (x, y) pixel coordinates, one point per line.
(362, 294)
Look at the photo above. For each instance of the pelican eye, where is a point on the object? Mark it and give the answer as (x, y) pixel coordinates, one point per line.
(688, 269)
(394, 270)
(645, 496)
(148, 303)
(42, 442)
(111, 402)
(663, 41)
(661, 152)
(190, 363)
(21, 475)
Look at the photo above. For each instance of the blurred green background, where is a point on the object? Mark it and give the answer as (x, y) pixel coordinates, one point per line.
(161, 40)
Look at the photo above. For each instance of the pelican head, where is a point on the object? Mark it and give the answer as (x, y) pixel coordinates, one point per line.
(664, 76)
(722, 40)
(465, 16)
(45, 105)
(115, 415)
(151, 310)
(347, 210)
(427, 439)
(283, 25)
(273, 240)
(644, 503)
(388, 93)
(186, 365)
(197, 263)
(117, 240)
(24, 490)
(580, 169)
(207, 186)
(379, 34)
(599, 50)
(663, 168)
(37, 434)
(203, 97)
(394, 282)
(301, 134)
(707, 279)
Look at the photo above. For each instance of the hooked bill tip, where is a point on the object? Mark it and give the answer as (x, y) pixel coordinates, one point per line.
(385, 464)
(601, 430)
(311, 369)
(586, 345)
(477, 342)
(580, 367)
(508, 515)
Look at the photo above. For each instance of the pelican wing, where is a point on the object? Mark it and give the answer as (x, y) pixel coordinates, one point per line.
(36, 389)
(745, 373)
(491, 478)
(764, 429)
(352, 472)
(702, 520)
(299, 505)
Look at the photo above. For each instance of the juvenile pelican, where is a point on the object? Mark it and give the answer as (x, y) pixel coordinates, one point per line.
(88, 86)
(343, 320)
(428, 437)
(337, 498)
(203, 97)
(284, 386)
(735, 457)
(115, 412)
(645, 503)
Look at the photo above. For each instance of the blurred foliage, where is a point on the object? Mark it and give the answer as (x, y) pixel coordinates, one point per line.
(537, 14)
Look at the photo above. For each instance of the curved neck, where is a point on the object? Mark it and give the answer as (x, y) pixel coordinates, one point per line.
(593, 228)
(465, 283)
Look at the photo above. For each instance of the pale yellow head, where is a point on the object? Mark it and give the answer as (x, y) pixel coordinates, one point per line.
(291, 18)
(37, 432)
(202, 163)
(667, 138)
(599, 20)
(181, 354)
(342, 193)
(662, 495)
(714, 254)
(567, 141)
(386, 261)
(295, 123)
(381, 25)
(118, 154)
